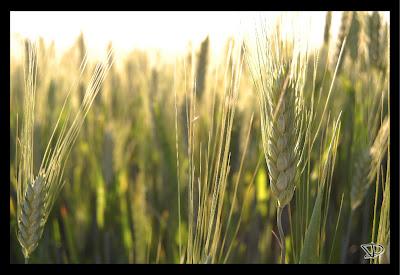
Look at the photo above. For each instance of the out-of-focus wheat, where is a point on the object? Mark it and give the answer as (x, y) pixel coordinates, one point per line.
(367, 164)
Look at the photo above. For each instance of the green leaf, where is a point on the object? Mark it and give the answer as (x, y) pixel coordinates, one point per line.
(309, 252)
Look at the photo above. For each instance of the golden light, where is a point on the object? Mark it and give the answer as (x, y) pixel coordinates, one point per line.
(166, 32)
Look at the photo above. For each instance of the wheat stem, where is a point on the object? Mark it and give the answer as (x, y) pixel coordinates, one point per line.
(281, 233)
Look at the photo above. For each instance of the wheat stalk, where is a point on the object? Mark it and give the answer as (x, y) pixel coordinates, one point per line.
(36, 196)
(209, 168)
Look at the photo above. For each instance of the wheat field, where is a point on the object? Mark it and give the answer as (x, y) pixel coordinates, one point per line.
(272, 152)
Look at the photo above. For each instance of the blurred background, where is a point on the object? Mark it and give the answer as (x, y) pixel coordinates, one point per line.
(118, 204)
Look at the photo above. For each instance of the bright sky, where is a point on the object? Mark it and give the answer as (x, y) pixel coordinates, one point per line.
(169, 32)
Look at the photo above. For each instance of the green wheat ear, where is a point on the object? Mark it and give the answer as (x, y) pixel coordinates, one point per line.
(278, 72)
(281, 153)
(36, 196)
(367, 164)
(31, 218)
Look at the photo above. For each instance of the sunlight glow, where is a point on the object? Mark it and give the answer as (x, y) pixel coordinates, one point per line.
(166, 32)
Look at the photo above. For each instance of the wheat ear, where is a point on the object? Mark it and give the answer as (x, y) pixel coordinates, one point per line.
(278, 75)
(31, 218)
(366, 165)
(36, 196)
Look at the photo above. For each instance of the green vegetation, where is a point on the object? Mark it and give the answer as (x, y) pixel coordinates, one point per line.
(264, 155)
